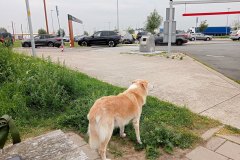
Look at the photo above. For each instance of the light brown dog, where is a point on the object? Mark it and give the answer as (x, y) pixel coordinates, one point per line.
(116, 111)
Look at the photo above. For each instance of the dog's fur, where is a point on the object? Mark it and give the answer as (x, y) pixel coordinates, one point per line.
(116, 111)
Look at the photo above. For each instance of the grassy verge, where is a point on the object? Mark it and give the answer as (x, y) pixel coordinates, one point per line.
(42, 96)
(17, 44)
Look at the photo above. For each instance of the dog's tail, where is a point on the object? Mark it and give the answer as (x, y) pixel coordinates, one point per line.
(100, 129)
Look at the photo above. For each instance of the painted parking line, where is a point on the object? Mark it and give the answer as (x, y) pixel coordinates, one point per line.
(215, 56)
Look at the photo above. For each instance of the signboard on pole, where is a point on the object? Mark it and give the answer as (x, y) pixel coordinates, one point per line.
(166, 32)
(168, 14)
(70, 17)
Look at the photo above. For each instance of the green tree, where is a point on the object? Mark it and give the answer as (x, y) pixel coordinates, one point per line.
(85, 33)
(154, 20)
(59, 33)
(42, 31)
(3, 30)
(203, 26)
(130, 30)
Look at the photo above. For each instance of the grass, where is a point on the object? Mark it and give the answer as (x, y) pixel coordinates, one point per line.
(17, 44)
(224, 37)
(43, 96)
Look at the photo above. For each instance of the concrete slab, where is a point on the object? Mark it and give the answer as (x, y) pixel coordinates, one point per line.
(229, 149)
(208, 134)
(227, 111)
(185, 82)
(201, 153)
(54, 145)
(232, 138)
(215, 143)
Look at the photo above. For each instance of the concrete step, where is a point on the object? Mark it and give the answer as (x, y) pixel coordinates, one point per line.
(55, 145)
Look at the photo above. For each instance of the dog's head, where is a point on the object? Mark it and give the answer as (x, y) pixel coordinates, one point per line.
(143, 84)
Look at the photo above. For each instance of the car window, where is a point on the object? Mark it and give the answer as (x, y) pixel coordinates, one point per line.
(104, 34)
(36, 37)
(97, 34)
(111, 33)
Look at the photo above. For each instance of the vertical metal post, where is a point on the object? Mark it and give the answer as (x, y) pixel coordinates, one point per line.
(45, 11)
(30, 27)
(238, 22)
(13, 32)
(60, 30)
(52, 21)
(117, 17)
(22, 31)
(170, 27)
(227, 22)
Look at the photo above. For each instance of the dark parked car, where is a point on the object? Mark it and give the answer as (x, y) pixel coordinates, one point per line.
(43, 40)
(140, 34)
(109, 38)
(180, 39)
(6, 37)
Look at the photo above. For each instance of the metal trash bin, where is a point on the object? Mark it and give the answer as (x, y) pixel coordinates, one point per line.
(147, 44)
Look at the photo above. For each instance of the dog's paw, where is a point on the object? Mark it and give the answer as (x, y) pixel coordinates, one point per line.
(139, 141)
(123, 135)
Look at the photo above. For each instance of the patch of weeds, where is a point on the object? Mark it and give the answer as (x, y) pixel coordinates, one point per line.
(229, 130)
(152, 152)
(114, 150)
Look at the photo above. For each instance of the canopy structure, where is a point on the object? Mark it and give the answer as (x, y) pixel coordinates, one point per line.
(211, 13)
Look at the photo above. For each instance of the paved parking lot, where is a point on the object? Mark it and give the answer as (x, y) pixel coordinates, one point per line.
(221, 55)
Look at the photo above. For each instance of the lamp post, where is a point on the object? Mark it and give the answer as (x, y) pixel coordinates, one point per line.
(227, 23)
(117, 17)
(52, 21)
(30, 27)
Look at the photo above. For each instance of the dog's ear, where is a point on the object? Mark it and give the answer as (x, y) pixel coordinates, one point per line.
(135, 81)
(144, 84)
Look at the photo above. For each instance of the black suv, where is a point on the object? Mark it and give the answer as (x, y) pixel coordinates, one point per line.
(109, 38)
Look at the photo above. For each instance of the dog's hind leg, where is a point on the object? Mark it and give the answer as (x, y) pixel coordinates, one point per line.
(137, 131)
(103, 145)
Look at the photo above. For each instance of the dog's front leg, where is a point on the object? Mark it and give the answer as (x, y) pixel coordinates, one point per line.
(122, 134)
(137, 131)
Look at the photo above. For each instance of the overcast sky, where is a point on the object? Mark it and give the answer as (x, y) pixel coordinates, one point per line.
(98, 14)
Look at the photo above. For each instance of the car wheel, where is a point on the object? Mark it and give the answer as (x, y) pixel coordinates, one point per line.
(111, 44)
(50, 44)
(192, 39)
(84, 44)
(179, 42)
(239, 38)
(208, 39)
(26, 45)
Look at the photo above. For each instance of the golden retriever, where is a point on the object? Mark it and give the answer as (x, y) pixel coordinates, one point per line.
(116, 111)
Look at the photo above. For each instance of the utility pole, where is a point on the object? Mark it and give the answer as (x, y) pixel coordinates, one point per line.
(227, 23)
(30, 27)
(170, 27)
(13, 32)
(60, 30)
(22, 31)
(45, 11)
(117, 17)
(52, 21)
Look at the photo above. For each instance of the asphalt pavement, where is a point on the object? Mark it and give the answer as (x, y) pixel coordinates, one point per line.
(221, 55)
